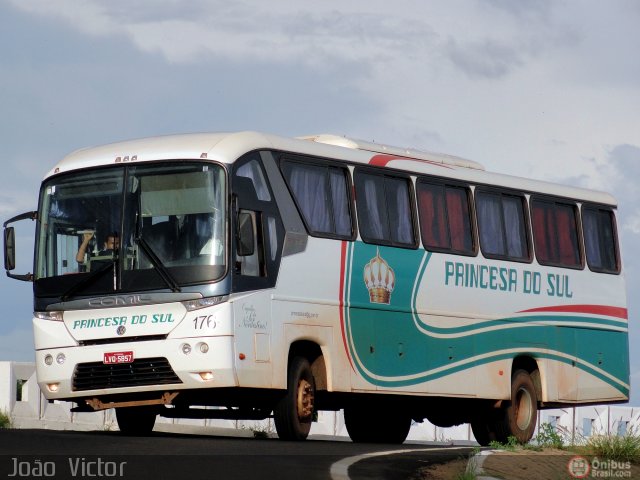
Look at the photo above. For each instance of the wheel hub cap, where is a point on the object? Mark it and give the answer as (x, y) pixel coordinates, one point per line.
(305, 400)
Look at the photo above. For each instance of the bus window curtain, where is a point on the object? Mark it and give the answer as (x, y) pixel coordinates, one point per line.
(591, 239)
(458, 210)
(514, 227)
(372, 222)
(567, 236)
(340, 200)
(432, 216)
(540, 232)
(400, 220)
(490, 225)
(309, 187)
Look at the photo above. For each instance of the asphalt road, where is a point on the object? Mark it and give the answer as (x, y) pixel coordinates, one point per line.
(64, 454)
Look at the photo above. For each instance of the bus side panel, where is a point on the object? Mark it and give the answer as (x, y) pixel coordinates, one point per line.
(442, 316)
(305, 306)
(253, 339)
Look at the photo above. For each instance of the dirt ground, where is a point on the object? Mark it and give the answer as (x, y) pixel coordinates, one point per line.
(526, 464)
(444, 471)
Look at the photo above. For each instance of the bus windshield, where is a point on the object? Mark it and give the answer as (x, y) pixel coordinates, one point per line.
(131, 228)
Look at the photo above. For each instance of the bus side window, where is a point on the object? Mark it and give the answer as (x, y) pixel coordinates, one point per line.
(555, 232)
(502, 226)
(256, 222)
(384, 205)
(445, 217)
(600, 239)
(322, 195)
(253, 172)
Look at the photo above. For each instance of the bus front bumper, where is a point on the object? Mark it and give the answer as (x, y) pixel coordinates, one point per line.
(145, 366)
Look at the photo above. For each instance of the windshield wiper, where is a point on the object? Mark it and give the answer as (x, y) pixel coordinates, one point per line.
(88, 280)
(160, 267)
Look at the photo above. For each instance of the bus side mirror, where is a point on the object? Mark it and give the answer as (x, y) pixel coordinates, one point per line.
(9, 249)
(246, 239)
(10, 246)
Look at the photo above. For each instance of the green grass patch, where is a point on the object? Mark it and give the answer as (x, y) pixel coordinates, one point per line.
(548, 437)
(511, 445)
(621, 448)
(5, 420)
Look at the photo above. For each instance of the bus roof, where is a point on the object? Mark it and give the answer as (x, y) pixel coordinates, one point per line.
(227, 147)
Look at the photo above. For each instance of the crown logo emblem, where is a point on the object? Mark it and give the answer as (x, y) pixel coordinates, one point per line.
(379, 279)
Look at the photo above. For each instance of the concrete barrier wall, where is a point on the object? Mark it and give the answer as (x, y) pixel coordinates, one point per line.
(20, 397)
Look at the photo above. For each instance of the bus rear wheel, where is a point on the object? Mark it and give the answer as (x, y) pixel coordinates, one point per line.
(521, 413)
(293, 414)
(135, 421)
(376, 425)
(517, 419)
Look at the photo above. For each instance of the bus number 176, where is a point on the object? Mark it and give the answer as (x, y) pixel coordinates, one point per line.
(204, 321)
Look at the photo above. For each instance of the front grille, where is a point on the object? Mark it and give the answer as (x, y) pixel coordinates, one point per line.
(143, 371)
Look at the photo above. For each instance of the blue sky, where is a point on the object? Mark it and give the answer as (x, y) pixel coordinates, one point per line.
(541, 89)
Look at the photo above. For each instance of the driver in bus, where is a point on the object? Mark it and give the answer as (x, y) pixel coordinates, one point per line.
(110, 244)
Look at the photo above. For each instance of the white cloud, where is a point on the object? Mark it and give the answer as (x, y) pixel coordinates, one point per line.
(244, 31)
(517, 87)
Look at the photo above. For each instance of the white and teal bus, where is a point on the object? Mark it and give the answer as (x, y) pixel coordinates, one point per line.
(263, 276)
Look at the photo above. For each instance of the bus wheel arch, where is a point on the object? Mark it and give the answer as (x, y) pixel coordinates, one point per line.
(293, 413)
(314, 355)
(306, 373)
(520, 414)
(530, 365)
(516, 417)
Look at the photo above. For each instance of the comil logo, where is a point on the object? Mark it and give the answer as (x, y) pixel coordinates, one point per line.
(579, 467)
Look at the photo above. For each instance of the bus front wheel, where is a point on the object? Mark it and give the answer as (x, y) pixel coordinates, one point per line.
(135, 421)
(293, 414)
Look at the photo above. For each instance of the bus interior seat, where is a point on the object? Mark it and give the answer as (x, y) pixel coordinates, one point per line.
(162, 238)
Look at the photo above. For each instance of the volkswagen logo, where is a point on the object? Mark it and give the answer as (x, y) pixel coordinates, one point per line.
(121, 329)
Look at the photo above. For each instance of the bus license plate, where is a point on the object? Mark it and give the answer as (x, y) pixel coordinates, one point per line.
(118, 357)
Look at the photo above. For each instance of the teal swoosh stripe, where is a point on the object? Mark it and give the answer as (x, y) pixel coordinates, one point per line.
(535, 319)
(532, 320)
(502, 356)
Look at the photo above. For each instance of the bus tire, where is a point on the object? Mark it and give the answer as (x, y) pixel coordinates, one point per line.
(520, 415)
(293, 413)
(487, 427)
(486, 432)
(375, 425)
(135, 421)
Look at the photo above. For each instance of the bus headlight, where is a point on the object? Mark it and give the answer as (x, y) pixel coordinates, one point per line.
(48, 359)
(192, 305)
(186, 348)
(54, 316)
(60, 358)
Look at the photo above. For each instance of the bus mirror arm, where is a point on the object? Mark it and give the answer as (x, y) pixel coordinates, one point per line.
(10, 246)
